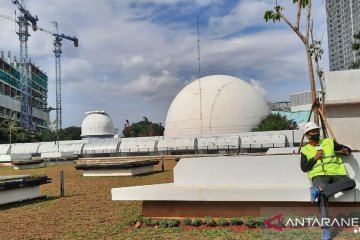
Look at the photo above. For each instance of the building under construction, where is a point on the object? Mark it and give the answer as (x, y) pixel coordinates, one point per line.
(343, 22)
(10, 90)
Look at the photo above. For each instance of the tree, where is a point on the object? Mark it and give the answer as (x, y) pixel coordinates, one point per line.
(276, 15)
(143, 128)
(46, 135)
(11, 132)
(356, 47)
(69, 133)
(275, 122)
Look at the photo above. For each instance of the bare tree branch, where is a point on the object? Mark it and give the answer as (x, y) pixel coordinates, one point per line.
(308, 20)
(296, 30)
(298, 15)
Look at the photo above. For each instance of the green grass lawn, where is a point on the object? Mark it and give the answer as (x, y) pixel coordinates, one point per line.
(87, 212)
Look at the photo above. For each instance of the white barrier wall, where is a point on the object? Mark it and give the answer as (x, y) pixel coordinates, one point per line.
(24, 148)
(138, 145)
(185, 143)
(221, 142)
(240, 178)
(110, 145)
(154, 144)
(4, 149)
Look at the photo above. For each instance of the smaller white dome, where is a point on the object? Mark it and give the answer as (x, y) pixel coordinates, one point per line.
(97, 124)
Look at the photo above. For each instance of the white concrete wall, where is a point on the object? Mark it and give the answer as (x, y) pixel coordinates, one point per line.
(221, 142)
(342, 86)
(184, 143)
(239, 178)
(241, 171)
(344, 120)
(138, 144)
(343, 106)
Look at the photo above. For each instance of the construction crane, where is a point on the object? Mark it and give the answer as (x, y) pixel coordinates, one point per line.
(24, 20)
(57, 51)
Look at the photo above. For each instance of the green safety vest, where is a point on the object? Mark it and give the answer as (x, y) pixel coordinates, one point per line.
(329, 164)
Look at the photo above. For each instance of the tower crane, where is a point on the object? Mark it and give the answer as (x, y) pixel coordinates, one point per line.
(57, 51)
(24, 20)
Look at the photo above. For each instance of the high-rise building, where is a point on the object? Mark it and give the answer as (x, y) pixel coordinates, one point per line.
(343, 21)
(10, 92)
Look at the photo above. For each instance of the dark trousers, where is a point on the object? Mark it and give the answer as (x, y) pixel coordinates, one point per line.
(330, 186)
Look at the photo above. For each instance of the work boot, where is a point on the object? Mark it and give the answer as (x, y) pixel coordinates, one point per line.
(326, 234)
(314, 194)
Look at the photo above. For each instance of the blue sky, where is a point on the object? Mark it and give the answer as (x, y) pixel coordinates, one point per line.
(135, 56)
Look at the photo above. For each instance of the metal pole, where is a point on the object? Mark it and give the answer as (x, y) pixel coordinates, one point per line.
(162, 164)
(62, 183)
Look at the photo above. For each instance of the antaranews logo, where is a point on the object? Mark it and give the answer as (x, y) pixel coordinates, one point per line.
(278, 223)
(271, 225)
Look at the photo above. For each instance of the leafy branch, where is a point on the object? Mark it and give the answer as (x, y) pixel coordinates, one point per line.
(277, 14)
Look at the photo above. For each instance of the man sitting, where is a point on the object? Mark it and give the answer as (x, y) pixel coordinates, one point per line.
(325, 169)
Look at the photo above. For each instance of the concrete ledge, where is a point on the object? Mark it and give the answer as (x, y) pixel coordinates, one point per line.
(170, 192)
(126, 168)
(118, 172)
(118, 165)
(286, 150)
(28, 164)
(20, 188)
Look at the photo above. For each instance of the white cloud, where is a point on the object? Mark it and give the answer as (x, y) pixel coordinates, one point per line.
(132, 61)
(149, 86)
(245, 14)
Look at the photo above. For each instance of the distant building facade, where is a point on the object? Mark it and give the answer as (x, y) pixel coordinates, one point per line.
(343, 21)
(10, 89)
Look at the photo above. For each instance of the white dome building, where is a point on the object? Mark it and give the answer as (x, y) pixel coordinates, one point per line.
(228, 105)
(97, 124)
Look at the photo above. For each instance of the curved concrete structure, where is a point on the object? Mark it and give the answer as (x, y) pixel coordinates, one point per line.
(228, 105)
(97, 124)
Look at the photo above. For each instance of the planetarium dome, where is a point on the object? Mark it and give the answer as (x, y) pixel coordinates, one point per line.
(228, 105)
(97, 124)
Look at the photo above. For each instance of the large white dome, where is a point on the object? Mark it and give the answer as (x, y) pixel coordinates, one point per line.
(228, 105)
(97, 124)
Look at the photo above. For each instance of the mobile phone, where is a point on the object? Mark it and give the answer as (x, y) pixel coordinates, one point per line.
(318, 148)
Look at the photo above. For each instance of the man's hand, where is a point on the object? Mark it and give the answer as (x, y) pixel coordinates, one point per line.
(343, 151)
(318, 155)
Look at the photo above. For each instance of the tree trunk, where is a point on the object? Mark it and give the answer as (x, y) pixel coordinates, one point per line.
(312, 83)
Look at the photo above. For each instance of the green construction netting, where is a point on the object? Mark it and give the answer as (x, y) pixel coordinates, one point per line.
(5, 77)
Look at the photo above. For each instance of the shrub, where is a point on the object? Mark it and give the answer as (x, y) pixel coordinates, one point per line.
(222, 222)
(172, 223)
(187, 221)
(150, 222)
(275, 122)
(196, 222)
(236, 221)
(208, 221)
(163, 223)
(250, 222)
(260, 221)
